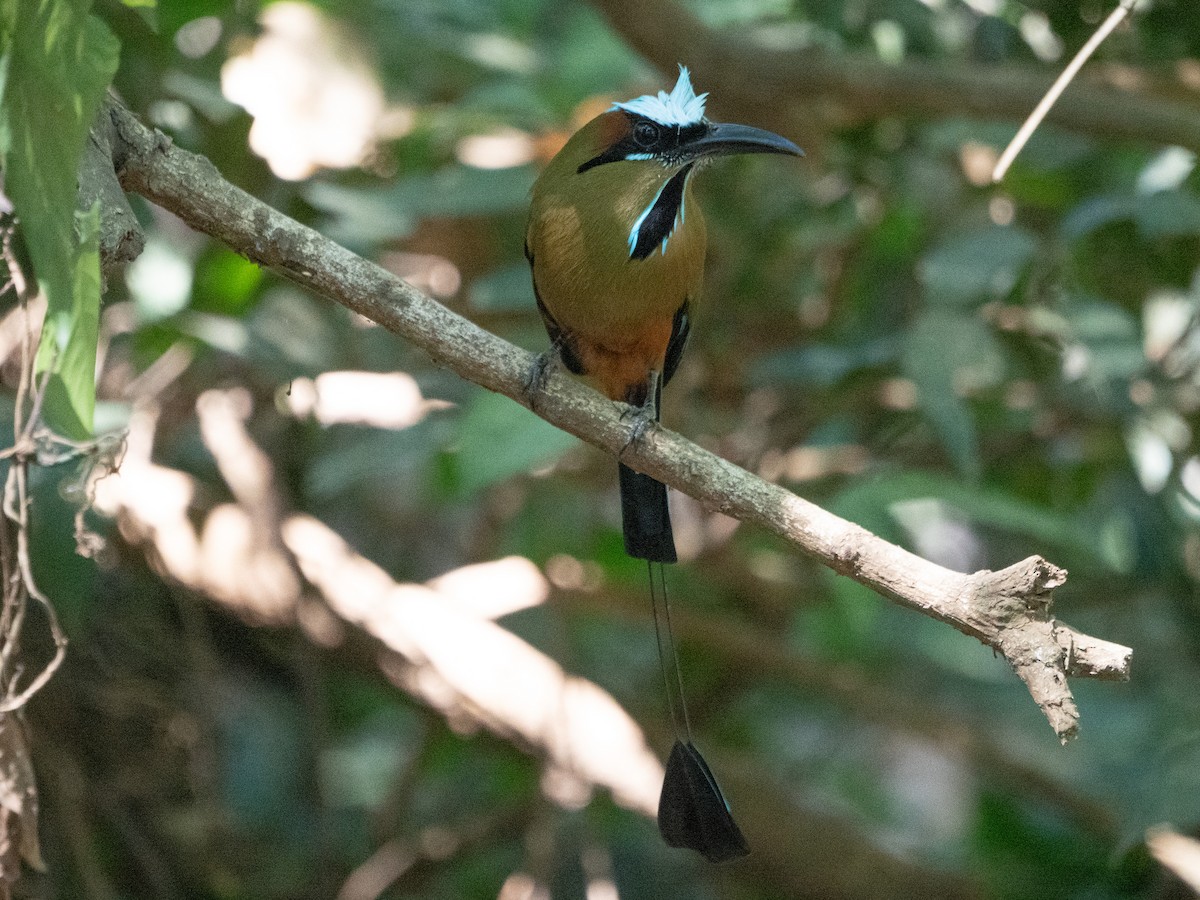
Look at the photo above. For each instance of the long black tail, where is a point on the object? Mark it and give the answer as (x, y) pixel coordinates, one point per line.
(692, 811)
(645, 518)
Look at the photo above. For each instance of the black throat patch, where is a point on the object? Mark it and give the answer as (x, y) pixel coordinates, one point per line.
(654, 226)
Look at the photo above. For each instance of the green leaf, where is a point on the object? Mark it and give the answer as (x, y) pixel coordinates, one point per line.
(500, 439)
(370, 459)
(1167, 214)
(59, 62)
(225, 283)
(1095, 213)
(359, 217)
(369, 215)
(870, 502)
(945, 352)
(979, 265)
(147, 11)
(68, 347)
(1111, 337)
(1099, 322)
(505, 290)
(823, 365)
(1158, 215)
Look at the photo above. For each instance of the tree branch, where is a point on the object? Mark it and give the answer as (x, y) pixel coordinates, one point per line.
(121, 237)
(804, 91)
(1007, 610)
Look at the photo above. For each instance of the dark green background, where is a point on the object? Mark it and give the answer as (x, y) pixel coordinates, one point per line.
(967, 362)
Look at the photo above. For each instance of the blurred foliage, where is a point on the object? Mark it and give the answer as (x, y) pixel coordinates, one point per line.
(57, 61)
(977, 372)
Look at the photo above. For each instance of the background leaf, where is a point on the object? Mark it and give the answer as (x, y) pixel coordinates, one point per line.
(498, 439)
(976, 266)
(976, 372)
(947, 354)
(59, 63)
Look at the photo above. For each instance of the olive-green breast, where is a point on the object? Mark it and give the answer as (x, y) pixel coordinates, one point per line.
(579, 238)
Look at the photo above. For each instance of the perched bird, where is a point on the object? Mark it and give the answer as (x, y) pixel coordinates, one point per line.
(616, 241)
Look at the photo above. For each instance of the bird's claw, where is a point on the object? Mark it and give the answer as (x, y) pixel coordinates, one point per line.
(544, 365)
(641, 420)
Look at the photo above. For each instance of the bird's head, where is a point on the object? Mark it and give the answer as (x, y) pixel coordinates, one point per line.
(627, 171)
(672, 131)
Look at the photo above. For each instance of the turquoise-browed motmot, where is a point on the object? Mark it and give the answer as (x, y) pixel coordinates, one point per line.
(616, 241)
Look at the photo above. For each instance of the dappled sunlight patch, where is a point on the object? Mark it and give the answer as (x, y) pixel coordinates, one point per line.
(239, 571)
(155, 501)
(570, 574)
(809, 463)
(939, 533)
(522, 886)
(315, 100)
(198, 37)
(1178, 852)
(447, 650)
(377, 399)
(470, 666)
(977, 160)
(435, 275)
(1035, 28)
(493, 589)
(499, 149)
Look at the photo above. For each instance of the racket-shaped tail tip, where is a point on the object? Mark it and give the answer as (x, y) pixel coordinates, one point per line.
(692, 812)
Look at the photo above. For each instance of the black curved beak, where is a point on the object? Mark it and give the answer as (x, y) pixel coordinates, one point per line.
(723, 139)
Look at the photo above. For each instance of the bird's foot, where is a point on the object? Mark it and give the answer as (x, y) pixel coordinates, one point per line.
(643, 417)
(544, 365)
